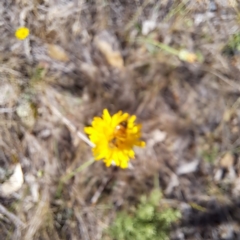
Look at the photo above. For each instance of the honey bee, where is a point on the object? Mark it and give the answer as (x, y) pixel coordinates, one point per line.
(119, 133)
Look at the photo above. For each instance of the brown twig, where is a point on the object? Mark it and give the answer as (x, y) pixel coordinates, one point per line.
(12, 217)
(228, 81)
(68, 123)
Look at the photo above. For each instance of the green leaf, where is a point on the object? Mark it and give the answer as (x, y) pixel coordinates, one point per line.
(146, 222)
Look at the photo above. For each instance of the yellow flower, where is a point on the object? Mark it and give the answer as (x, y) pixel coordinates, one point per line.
(187, 56)
(21, 33)
(114, 138)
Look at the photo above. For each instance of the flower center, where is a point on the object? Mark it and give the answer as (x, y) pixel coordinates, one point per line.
(119, 135)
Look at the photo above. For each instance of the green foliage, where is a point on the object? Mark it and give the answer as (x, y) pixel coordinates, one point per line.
(147, 222)
(210, 155)
(38, 74)
(233, 45)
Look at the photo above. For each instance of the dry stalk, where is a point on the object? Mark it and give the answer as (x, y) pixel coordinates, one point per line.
(12, 217)
(68, 123)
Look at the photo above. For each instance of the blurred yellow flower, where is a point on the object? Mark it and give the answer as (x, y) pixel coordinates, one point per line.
(114, 138)
(187, 56)
(22, 33)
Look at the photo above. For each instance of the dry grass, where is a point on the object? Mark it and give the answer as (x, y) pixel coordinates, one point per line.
(83, 56)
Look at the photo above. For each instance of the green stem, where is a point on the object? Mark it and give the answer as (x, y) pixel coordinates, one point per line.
(68, 176)
(160, 45)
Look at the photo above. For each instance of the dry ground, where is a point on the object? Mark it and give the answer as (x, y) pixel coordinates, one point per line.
(83, 56)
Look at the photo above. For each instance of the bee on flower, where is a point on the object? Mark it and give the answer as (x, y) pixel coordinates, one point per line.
(114, 138)
(22, 33)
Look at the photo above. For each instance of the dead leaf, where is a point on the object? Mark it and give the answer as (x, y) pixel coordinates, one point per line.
(218, 175)
(58, 53)
(8, 94)
(14, 183)
(26, 112)
(88, 69)
(34, 186)
(156, 137)
(227, 160)
(227, 115)
(188, 167)
(148, 26)
(106, 43)
(114, 58)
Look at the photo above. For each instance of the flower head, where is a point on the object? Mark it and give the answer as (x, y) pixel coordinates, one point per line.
(22, 33)
(114, 138)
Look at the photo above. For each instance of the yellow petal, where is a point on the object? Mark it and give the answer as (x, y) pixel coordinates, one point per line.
(22, 33)
(103, 131)
(124, 164)
(106, 116)
(88, 130)
(132, 119)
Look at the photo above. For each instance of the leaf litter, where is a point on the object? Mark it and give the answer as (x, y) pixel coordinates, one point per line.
(82, 57)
